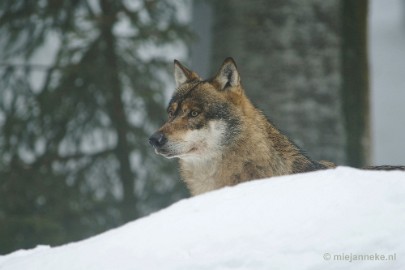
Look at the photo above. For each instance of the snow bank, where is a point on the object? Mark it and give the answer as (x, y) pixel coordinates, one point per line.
(309, 221)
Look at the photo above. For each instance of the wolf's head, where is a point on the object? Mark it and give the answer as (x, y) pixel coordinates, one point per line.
(204, 116)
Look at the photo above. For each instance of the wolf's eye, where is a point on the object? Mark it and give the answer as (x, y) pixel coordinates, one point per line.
(194, 113)
(170, 114)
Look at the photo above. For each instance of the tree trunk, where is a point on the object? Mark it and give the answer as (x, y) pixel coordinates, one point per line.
(118, 116)
(355, 88)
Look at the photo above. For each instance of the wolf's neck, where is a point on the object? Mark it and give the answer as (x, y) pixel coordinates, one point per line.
(258, 154)
(280, 153)
(201, 175)
(259, 151)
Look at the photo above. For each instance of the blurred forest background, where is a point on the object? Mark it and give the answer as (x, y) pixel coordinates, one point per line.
(83, 84)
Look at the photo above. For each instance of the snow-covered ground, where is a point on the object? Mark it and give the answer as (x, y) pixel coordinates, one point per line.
(308, 221)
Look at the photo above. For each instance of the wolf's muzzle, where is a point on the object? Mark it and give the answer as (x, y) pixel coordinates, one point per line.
(158, 139)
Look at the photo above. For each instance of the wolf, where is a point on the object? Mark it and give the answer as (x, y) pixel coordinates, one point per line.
(220, 138)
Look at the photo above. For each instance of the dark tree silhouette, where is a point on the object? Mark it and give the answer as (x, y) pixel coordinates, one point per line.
(74, 157)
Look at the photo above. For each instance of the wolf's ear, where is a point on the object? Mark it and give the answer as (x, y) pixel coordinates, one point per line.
(228, 75)
(183, 74)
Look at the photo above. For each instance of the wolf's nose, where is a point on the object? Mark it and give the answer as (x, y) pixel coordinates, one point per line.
(157, 139)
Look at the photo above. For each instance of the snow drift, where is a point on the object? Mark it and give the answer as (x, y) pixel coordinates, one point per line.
(335, 219)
